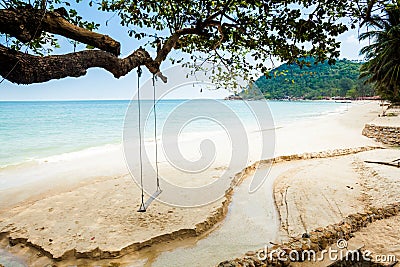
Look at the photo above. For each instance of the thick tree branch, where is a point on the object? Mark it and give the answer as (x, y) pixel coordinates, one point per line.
(28, 23)
(23, 68)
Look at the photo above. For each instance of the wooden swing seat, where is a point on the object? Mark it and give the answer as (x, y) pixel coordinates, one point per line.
(143, 207)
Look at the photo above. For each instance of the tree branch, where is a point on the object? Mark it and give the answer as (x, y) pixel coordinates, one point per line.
(369, 10)
(368, 18)
(23, 68)
(171, 43)
(27, 23)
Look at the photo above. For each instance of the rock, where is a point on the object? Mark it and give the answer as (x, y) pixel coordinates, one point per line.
(306, 235)
(314, 246)
(323, 243)
(328, 235)
(250, 253)
(228, 263)
(305, 246)
(314, 239)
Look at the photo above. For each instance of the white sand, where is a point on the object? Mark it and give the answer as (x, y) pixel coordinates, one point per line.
(381, 238)
(323, 191)
(85, 208)
(329, 132)
(318, 193)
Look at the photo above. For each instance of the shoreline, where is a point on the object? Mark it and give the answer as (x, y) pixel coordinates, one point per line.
(305, 155)
(100, 148)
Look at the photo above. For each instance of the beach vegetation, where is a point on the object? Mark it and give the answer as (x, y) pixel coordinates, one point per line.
(383, 53)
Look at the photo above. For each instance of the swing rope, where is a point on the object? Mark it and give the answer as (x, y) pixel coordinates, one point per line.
(155, 132)
(142, 205)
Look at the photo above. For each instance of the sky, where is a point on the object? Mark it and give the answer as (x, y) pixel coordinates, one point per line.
(99, 84)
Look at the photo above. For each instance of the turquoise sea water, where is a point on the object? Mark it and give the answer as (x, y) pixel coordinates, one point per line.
(34, 130)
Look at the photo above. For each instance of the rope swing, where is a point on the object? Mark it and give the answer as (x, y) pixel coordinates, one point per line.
(144, 205)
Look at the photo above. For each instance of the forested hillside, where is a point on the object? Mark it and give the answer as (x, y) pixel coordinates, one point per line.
(315, 81)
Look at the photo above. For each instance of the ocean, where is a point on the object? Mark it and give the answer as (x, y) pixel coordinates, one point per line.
(33, 130)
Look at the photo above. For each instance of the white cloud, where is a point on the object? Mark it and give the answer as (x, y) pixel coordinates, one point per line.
(352, 39)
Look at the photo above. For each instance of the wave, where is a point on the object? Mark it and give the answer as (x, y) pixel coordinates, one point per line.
(87, 152)
(82, 153)
(48, 145)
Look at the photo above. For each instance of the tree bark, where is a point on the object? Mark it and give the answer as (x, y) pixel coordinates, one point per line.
(21, 68)
(27, 23)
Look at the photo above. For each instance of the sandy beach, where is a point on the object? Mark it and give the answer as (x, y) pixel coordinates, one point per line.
(318, 195)
(90, 219)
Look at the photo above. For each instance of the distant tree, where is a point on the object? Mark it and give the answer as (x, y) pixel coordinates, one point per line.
(383, 55)
(352, 93)
(364, 89)
(314, 81)
(345, 85)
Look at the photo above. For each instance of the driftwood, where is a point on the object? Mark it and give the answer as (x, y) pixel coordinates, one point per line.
(386, 163)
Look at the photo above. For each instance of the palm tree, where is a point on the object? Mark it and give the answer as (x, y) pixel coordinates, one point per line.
(383, 55)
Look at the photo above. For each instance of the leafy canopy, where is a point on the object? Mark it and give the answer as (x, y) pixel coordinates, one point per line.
(241, 36)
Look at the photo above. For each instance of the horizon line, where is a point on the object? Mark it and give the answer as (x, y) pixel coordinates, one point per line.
(70, 100)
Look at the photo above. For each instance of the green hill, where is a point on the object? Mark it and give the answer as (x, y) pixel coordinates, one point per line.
(315, 81)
